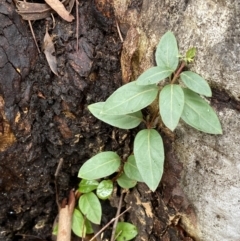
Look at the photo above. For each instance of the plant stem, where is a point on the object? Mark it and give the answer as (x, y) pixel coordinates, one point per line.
(176, 75)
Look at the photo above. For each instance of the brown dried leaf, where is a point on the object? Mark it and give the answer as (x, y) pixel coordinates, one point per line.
(48, 51)
(33, 11)
(57, 6)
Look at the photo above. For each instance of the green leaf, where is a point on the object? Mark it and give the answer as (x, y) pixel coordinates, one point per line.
(167, 52)
(125, 231)
(89, 228)
(105, 189)
(196, 83)
(101, 165)
(171, 104)
(78, 225)
(149, 155)
(125, 182)
(191, 54)
(153, 75)
(199, 114)
(127, 121)
(130, 98)
(86, 186)
(55, 229)
(131, 170)
(90, 206)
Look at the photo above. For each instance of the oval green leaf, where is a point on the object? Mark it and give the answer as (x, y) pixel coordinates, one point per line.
(86, 186)
(199, 114)
(101, 165)
(196, 83)
(153, 75)
(167, 52)
(127, 121)
(90, 206)
(125, 231)
(78, 225)
(171, 103)
(130, 98)
(131, 170)
(149, 155)
(125, 182)
(105, 189)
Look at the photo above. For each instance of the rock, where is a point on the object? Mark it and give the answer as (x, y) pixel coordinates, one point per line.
(210, 163)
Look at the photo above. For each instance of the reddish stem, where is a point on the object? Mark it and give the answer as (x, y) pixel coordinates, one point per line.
(176, 75)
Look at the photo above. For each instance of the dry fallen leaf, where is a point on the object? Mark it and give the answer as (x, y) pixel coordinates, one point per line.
(48, 48)
(57, 6)
(33, 11)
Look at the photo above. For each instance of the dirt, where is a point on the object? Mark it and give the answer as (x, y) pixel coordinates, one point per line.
(44, 118)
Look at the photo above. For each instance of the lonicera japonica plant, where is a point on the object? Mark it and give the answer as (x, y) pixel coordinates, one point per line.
(180, 98)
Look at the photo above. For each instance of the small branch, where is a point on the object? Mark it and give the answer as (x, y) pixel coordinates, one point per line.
(55, 181)
(117, 217)
(77, 23)
(101, 230)
(176, 75)
(119, 32)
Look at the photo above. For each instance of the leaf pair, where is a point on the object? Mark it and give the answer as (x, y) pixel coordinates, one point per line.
(176, 102)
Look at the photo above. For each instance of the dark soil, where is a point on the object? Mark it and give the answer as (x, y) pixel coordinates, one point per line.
(45, 118)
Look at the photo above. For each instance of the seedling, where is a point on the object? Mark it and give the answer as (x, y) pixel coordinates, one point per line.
(181, 98)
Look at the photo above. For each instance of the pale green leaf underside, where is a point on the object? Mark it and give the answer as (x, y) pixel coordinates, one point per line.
(101, 165)
(131, 170)
(78, 225)
(149, 155)
(171, 104)
(90, 206)
(125, 231)
(167, 52)
(127, 121)
(196, 83)
(130, 98)
(125, 182)
(199, 114)
(153, 75)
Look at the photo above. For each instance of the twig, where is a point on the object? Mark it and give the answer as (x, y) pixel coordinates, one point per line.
(119, 32)
(101, 230)
(77, 23)
(55, 181)
(34, 38)
(117, 217)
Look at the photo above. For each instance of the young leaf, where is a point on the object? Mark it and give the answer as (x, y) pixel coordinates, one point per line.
(125, 231)
(149, 155)
(191, 54)
(127, 121)
(131, 170)
(171, 102)
(125, 182)
(199, 114)
(78, 225)
(86, 186)
(90, 206)
(105, 189)
(130, 98)
(101, 165)
(167, 52)
(196, 83)
(153, 75)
